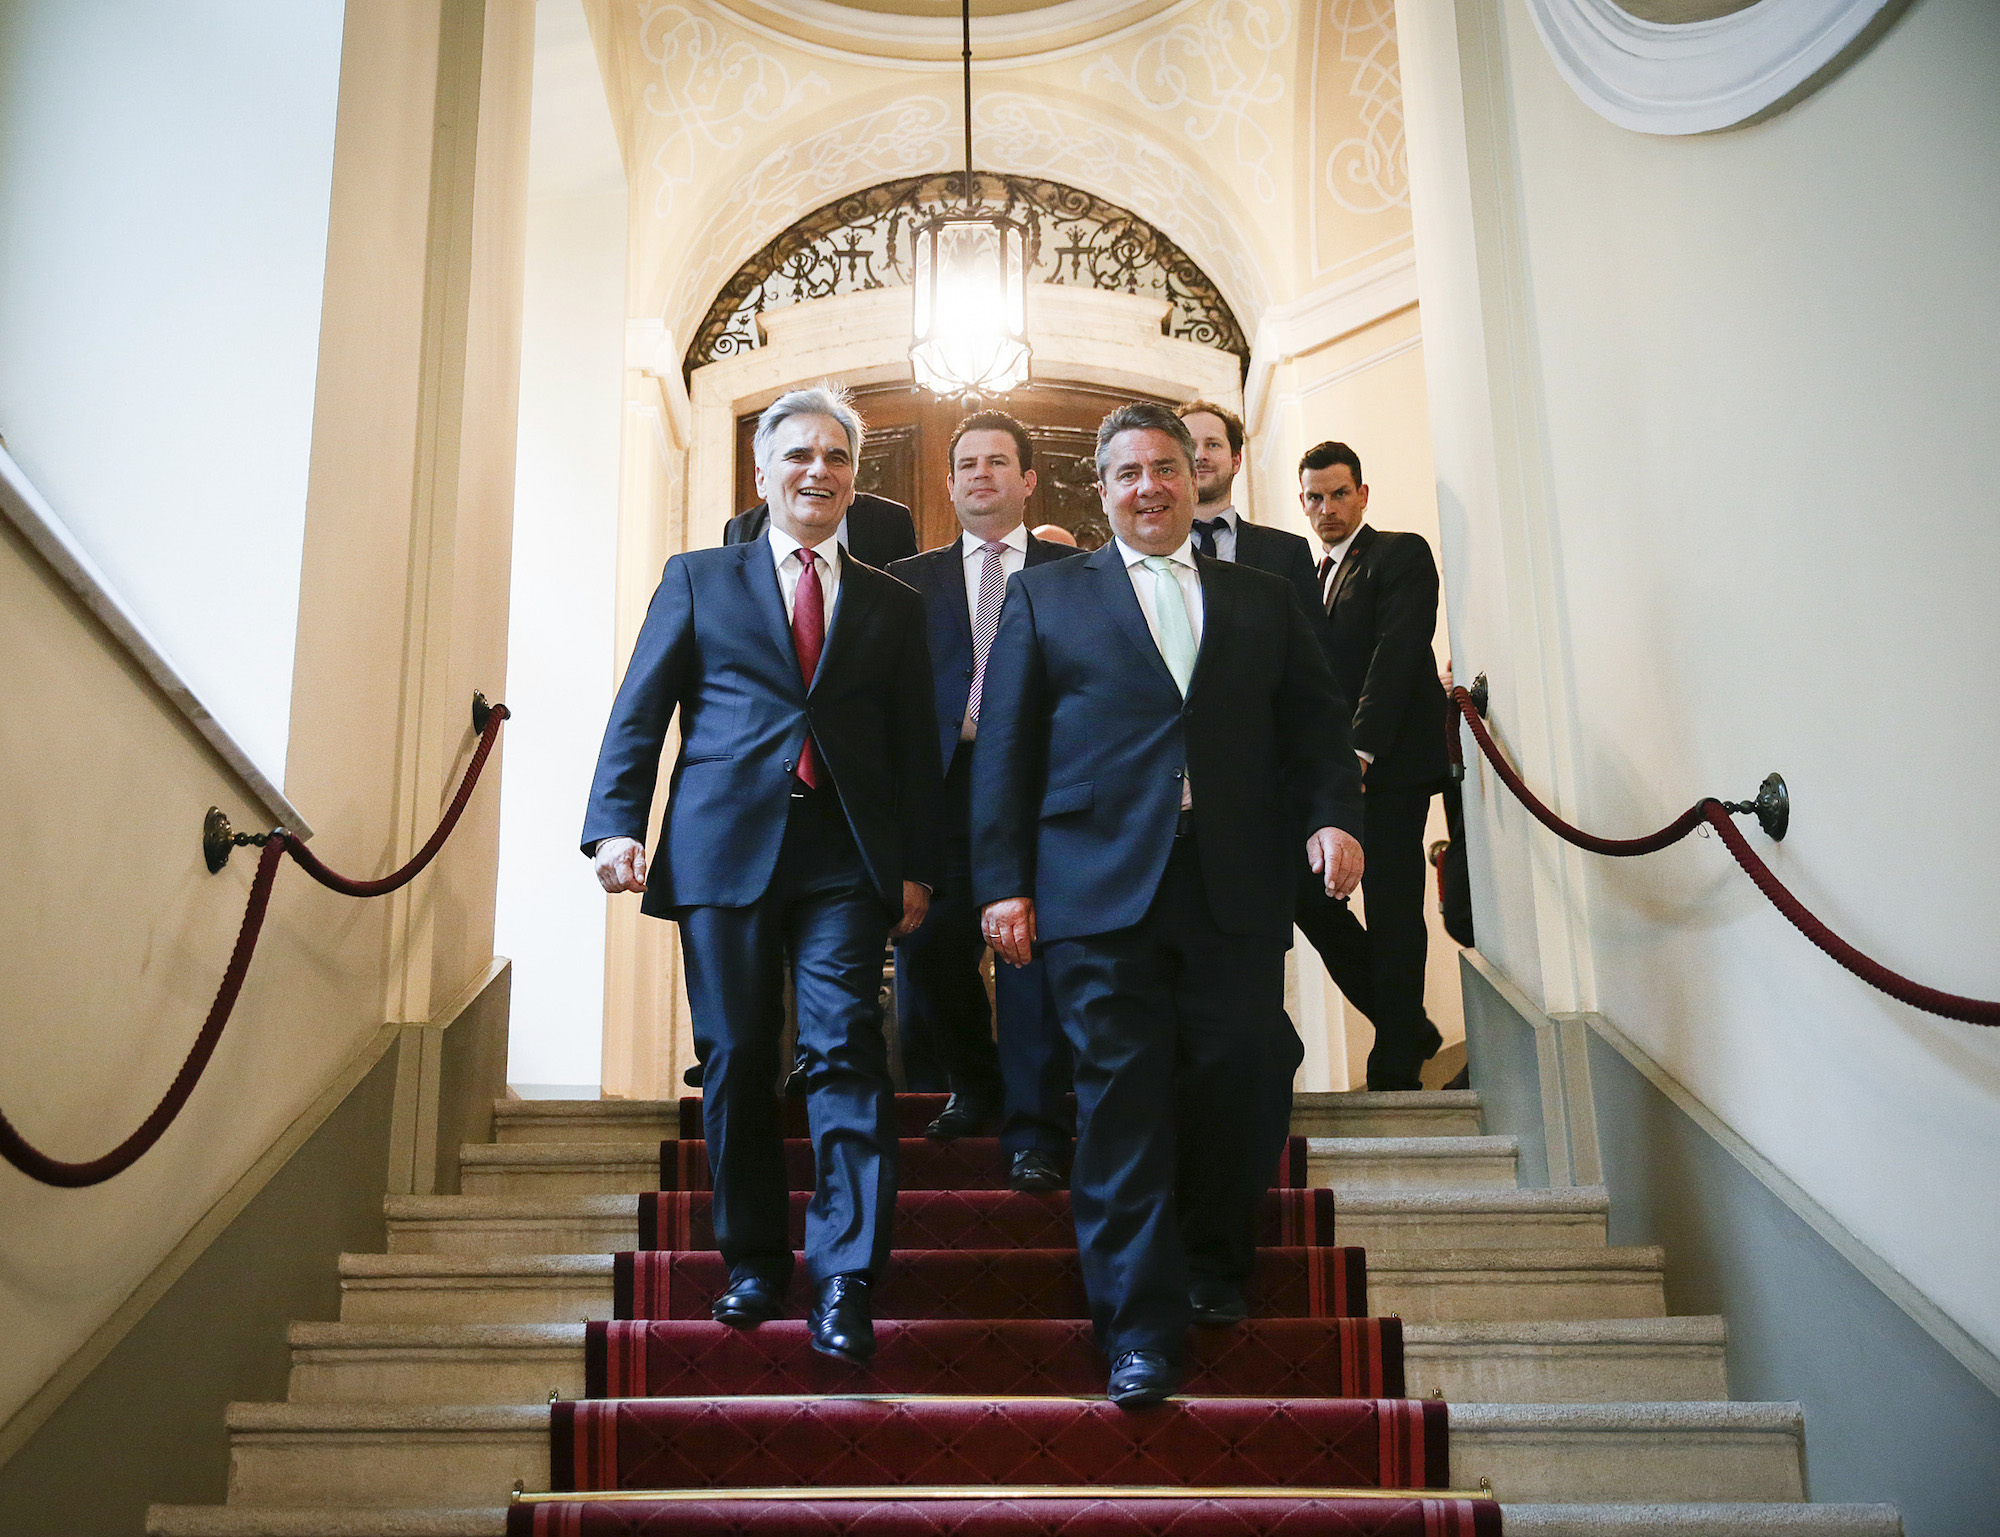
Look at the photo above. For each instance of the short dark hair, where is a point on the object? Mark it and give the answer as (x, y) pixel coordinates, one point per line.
(994, 421)
(1324, 456)
(1143, 416)
(1231, 422)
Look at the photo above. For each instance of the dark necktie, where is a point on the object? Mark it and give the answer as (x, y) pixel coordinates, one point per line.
(1326, 570)
(1206, 535)
(808, 637)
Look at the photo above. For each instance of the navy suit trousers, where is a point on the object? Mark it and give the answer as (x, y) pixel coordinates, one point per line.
(1183, 1053)
(822, 910)
(945, 1023)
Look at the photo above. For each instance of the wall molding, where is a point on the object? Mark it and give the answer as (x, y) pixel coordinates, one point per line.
(27, 510)
(1696, 76)
(1287, 332)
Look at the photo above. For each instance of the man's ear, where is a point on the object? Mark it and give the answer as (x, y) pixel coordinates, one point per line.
(758, 471)
(1028, 480)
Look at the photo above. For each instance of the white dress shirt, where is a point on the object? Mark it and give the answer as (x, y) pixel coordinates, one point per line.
(789, 570)
(1142, 588)
(972, 552)
(1225, 536)
(1338, 553)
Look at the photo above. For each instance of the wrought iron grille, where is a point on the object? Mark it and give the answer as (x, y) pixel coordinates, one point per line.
(862, 241)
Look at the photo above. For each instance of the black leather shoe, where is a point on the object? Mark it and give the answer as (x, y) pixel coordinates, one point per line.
(1142, 1378)
(841, 1325)
(749, 1301)
(1217, 1304)
(692, 1076)
(961, 1117)
(1033, 1169)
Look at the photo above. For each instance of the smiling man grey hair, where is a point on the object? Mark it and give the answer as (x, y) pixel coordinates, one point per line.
(823, 399)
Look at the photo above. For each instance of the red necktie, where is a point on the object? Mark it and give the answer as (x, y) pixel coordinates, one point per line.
(808, 636)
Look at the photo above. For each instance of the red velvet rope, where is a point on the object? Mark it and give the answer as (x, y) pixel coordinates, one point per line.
(1973, 1011)
(36, 1164)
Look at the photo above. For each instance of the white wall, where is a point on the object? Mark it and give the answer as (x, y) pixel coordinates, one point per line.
(1737, 395)
(550, 914)
(164, 182)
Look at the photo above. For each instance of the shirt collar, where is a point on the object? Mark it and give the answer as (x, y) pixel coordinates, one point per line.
(1228, 515)
(782, 545)
(1338, 552)
(1183, 556)
(970, 544)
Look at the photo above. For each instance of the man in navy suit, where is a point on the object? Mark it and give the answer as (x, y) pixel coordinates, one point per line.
(1220, 532)
(801, 820)
(1160, 730)
(941, 1008)
(1380, 594)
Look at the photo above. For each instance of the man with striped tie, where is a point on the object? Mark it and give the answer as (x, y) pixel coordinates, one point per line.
(941, 1009)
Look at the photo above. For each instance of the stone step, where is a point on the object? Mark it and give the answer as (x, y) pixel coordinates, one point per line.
(1704, 1520)
(435, 1363)
(608, 1224)
(646, 1121)
(375, 1454)
(1432, 1113)
(1421, 1286)
(1594, 1361)
(1571, 1217)
(1474, 1285)
(1358, 1113)
(333, 1521)
(1378, 1164)
(474, 1288)
(1392, 1165)
(1631, 1452)
(1600, 1361)
(405, 1455)
(1701, 1520)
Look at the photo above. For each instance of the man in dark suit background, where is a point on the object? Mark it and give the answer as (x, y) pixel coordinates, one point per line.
(941, 1007)
(801, 820)
(1380, 592)
(875, 530)
(1159, 732)
(1222, 533)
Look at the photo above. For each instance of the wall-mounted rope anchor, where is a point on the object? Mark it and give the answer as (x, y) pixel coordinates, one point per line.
(481, 713)
(218, 839)
(1480, 694)
(1772, 807)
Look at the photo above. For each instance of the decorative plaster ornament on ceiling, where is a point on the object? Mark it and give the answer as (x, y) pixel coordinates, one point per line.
(710, 86)
(1370, 173)
(1214, 71)
(862, 241)
(1028, 135)
(1695, 76)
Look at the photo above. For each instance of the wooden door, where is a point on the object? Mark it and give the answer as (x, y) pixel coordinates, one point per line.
(903, 456)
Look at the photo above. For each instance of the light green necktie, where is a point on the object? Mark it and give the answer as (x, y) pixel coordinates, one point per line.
(1170, 613)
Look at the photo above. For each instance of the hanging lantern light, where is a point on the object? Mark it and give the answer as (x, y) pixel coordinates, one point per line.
(969, 332)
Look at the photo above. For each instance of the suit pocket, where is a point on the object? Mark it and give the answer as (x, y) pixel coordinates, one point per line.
(1068, 799)
(692, 759)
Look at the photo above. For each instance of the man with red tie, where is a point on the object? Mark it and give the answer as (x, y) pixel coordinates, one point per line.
(801, 821)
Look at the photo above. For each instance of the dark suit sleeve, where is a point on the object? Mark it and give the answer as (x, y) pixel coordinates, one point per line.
(905, 532)
(656, 679)
(1318, 762)
(1009, 755)
(920, 788)
(1406, 606)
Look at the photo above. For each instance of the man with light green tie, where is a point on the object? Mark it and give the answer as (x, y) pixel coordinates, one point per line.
(1159, 732)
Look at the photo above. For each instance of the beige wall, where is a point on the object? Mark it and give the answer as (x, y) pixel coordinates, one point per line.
(115, 935)
(1714, 454)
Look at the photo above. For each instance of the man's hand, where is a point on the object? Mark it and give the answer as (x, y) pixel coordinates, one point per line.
(621, 864)
(1009, 928)
(1336, 859)
(916, 903)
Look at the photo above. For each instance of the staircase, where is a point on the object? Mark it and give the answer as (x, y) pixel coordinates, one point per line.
(1570, 1389)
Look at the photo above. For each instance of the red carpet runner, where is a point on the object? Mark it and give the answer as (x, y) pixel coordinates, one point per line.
(983, 1409)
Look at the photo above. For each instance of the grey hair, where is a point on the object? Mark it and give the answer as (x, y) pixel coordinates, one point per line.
(1142, 416)
(823, 399)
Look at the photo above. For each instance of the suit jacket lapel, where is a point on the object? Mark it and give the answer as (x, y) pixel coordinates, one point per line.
(1363, 537)
(760, 577)
(1213, 616)
(850, 605)
(949, 572)
(1115, 582)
